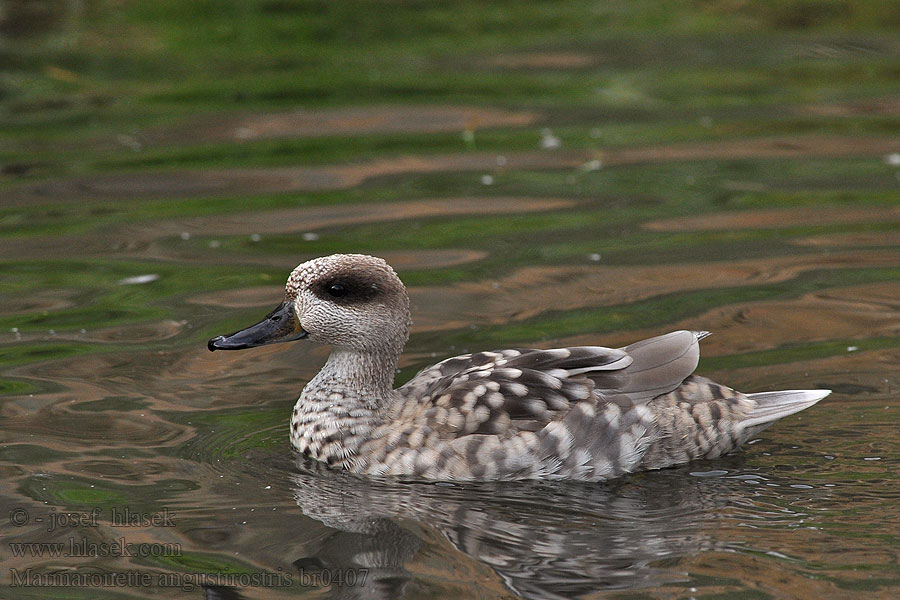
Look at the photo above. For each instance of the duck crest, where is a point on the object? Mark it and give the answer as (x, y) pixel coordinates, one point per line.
(586, 413)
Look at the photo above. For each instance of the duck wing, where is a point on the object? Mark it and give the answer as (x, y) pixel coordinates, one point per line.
(659, 365)
(507, 391)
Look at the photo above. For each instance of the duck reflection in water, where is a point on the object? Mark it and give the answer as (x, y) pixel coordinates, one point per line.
(535, 539)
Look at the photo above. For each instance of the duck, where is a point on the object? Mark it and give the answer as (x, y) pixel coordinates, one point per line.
(585, 413)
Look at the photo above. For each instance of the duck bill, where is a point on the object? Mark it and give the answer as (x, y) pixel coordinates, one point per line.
(280, 325)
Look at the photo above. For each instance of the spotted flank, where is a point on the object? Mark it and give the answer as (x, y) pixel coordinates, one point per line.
(585, 413)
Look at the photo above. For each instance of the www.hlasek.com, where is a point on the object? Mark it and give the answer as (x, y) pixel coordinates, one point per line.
(83, 547)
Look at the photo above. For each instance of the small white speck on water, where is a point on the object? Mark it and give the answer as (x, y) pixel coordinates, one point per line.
(594, 257)
(52, 332)
(852, 348)
(139, 279)
(243, 522)
(801, 486)
(310, 236)
(255, 237)
(754, 441)
(767, 454)
(214, 243)
(872, 458)
(468, 135)
(268, 487)
(501, 160)
(893, 159)
(487, 180)
(130, 142)
(185, 235)
(82, 330)
(592, 165)
(548, 140)
(828, 457)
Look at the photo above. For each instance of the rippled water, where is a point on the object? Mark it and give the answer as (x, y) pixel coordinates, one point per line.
(539, 175)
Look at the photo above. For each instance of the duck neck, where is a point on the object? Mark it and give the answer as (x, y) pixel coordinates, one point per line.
(355, 379)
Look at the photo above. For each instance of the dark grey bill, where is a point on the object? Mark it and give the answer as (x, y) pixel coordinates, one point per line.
(280, 325)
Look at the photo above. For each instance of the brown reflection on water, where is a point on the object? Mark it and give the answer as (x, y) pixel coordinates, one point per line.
(217, 182)
(779, 218)
(857, 312)
(265, 180)
(543, 60)
(531, 291)
(888, 106)
(853, 240)
(357, 121)
(146, 240)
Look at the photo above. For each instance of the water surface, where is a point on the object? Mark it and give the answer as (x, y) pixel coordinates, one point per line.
(539, 175)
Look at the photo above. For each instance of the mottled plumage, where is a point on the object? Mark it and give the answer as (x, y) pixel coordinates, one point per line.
(587, 412)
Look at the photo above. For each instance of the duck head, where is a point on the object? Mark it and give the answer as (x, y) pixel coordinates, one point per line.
(350, 301)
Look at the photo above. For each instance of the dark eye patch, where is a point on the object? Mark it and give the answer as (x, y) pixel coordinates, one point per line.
(350, 288)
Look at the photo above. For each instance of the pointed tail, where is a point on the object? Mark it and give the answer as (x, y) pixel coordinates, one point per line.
(771, 406)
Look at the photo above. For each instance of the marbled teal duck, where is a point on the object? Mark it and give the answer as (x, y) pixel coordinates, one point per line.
(585, 412)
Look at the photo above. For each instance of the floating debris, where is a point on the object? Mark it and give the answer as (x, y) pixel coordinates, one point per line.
(487, 180)
(185, 235)
(255, 237)
(309, 236)
(713, 473)
(214, 243)
(594, 257)
(592, 165)
(139, 279)
(893, 159)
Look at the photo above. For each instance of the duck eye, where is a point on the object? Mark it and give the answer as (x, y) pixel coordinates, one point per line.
(337, 290)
